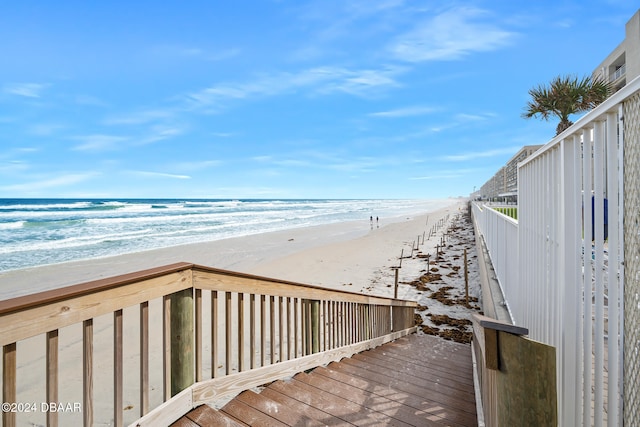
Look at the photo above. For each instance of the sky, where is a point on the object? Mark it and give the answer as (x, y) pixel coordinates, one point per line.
(281, 98)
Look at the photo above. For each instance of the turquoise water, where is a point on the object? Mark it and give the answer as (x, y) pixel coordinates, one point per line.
(47, 231)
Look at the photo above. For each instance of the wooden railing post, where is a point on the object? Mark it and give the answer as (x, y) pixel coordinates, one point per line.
(182, 337)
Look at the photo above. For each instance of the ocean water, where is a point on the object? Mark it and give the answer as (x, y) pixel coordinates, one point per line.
(47, 231)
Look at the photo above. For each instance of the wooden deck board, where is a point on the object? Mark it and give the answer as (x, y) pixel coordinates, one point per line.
(418, 380)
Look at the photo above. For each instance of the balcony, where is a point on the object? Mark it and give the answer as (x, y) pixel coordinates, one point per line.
(619, 72)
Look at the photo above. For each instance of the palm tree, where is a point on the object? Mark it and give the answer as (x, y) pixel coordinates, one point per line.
(566, 95)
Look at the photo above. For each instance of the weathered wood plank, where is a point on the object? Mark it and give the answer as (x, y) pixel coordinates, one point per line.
(395, 410)
(448, 388)
(205, 416)
(456, 410)
(276, 410)
(428, 410)
(249, 415)
(428, 372)
(69, 292)
(301, 407)
(21, 324)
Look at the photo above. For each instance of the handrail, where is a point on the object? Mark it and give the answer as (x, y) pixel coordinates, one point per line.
(210, 320)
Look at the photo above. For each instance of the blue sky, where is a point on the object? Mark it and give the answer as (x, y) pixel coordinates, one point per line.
(281, 98)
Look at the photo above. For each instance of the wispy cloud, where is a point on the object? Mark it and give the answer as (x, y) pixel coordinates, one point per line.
(450, 35)
(406, 112)
(139, 117)
(171, 51)
(446, 174)
(45, 129)
(160, 133)
(98, 142)
(58, 181)
(318, 80)
(199, 165)
(480, 154)
(149, 174)
(29, 90)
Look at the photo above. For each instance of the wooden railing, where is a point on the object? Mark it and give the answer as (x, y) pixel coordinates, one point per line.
(181, 335)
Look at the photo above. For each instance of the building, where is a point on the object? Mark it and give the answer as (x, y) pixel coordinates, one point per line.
(623, 64)
(503, 186)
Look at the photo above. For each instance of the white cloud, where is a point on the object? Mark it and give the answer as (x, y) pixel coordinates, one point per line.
(98, 142)
(59, 181)
(139, 117)
(406, 112)
(176, 51)
(450, 35)
(322, 80)
(160, 175)
(480, 154)
(159, 133)
(29, 90)
(199, 165)
(446, 174)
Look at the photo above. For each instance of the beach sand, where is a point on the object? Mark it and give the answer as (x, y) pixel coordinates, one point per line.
(355, 256)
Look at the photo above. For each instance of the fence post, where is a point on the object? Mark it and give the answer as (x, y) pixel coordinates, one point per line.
(182, 337)
(395, 287)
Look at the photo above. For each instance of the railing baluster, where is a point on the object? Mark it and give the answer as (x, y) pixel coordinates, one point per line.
(117, 371)
(87, 369)
(252, 328)
(263, 344)
(272, 329)
(227, 334)
(198, 333)
(240, 332)
(215, 361)
(289, 346)
(296, 333)
(281, 354)
(9, 382)
(144, 358)
(325, 329)
(52, 376)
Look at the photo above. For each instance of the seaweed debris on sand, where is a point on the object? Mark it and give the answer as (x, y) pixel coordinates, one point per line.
(440, 291)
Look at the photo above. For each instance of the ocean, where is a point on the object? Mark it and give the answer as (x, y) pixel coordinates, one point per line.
(36, 232)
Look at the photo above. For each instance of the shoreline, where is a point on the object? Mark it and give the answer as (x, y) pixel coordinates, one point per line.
(265, 254)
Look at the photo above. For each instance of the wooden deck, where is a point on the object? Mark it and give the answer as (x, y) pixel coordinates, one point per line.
(419, 380)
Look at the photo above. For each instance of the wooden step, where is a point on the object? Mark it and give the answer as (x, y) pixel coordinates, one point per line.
(419, 380)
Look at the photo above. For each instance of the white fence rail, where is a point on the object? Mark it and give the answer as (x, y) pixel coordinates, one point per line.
(502, 248)
(568, 290)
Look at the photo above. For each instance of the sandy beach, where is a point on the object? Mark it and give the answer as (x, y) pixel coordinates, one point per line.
(355, 256)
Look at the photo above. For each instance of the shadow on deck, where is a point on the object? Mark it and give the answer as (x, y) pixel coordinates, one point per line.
(418, 380)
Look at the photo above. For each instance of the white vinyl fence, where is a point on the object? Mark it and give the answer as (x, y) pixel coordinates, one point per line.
(568, 287)
(502, 248)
